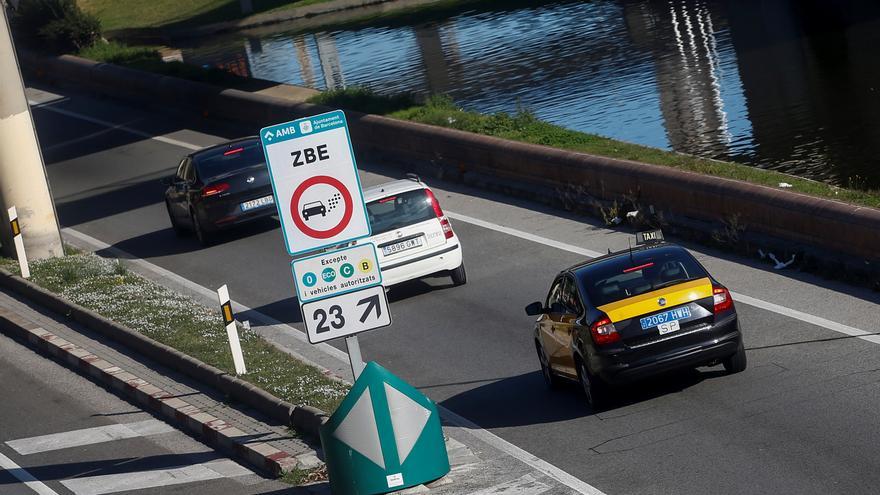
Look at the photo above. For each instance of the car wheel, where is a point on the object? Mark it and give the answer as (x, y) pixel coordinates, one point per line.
(459, 276)
(203, 237)
(551, 380)
(736, 362)
(595, 390)
(180, 231)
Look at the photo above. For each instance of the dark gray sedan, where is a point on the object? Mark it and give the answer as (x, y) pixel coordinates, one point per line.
(219, 187)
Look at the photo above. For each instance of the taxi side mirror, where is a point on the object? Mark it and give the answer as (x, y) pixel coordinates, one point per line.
(535, 309)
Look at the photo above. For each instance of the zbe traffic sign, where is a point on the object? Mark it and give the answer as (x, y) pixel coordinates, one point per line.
(315, 180)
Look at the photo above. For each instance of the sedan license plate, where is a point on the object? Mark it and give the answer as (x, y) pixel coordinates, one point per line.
(666, 318)
(402, 246)
(256, 203)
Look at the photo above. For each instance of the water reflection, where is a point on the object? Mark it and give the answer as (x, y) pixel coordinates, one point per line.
(789, 84)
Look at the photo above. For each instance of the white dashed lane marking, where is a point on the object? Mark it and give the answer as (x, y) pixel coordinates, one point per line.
(88, 436)
(112, 483)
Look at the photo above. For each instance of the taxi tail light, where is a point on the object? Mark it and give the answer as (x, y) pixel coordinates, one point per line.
(215, 189)
(722, 299)
(444, 222)
(604, 332)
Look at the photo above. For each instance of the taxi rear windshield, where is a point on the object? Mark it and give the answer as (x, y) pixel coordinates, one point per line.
(400, 210)
(624, 276)
(228, 159)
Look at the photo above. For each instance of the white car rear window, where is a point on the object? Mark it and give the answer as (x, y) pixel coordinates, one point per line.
(400, 210)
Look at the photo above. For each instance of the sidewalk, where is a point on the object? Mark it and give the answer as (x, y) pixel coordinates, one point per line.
(189, 405)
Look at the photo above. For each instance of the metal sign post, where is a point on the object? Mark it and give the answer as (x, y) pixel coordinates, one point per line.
(354, 355)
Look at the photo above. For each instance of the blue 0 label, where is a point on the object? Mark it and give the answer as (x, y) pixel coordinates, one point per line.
(309, 279)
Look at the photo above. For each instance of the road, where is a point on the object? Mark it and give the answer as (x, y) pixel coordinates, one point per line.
(801, 419)
(66, 435)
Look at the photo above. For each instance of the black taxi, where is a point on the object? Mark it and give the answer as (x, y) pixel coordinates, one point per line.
(635, 313)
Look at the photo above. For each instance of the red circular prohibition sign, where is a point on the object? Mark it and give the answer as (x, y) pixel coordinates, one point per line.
(297, 195)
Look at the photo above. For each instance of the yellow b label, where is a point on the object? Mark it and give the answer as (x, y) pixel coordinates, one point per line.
(365, 265)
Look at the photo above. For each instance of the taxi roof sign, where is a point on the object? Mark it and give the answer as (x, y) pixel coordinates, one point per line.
(649, 237)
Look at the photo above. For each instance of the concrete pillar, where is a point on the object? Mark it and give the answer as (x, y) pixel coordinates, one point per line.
(23, 181)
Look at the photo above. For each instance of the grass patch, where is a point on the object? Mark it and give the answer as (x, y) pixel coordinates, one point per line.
(123, 14)
(524, 126)
(365, 100)
(148, 58)
(108, 288)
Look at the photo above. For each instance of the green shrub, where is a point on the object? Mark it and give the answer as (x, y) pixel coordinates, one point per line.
(57, 26)
(364, 100)
(121, 54)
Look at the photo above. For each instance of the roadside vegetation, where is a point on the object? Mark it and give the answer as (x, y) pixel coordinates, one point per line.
(61, 27)
(107, 287)
(124, 14)
(524, 126)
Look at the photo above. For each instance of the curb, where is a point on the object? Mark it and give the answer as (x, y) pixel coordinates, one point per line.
(304, 419)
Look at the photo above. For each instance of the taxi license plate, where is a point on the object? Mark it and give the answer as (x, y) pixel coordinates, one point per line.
(256, 203)
(667, 321)
(402, 246)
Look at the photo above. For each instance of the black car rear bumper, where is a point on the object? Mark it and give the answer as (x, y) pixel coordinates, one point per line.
(717, 342)
(223, 216)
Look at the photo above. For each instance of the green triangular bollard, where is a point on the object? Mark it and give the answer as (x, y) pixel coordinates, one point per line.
(384, 437)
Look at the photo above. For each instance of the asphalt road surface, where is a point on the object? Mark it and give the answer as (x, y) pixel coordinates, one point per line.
(802, 419)
(65, 435)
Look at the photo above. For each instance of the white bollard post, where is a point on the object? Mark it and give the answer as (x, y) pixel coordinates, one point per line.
(231, 330)
(19, 243)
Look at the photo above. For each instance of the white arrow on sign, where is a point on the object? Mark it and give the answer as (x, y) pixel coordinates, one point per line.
(346, 314)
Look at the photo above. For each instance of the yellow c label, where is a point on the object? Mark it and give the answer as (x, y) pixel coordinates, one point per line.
(365, 265)
(15, 228)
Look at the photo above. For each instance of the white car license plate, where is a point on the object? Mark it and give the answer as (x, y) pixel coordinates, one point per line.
(402, 246)
(670, 327)
(256, 203)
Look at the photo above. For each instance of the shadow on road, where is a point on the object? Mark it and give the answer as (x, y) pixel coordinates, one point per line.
(284, 310)
(524, 400)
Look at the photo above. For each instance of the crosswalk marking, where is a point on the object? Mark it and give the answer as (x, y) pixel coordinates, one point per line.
(25, 477)
(88, 436)
(111, 483)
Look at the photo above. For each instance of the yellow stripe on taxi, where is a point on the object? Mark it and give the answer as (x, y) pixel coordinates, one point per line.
(647, 302)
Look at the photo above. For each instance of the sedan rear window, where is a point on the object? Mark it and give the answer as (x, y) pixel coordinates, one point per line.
(627, 276)
(228, 159)
(400, 210)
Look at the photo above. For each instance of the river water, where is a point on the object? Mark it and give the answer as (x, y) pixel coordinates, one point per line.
(791, 85)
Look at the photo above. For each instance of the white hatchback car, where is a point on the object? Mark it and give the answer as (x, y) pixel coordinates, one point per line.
(413, 237)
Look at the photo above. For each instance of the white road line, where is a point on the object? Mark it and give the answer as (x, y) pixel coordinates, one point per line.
(88, 436)
(512, 450)
(93, 120)
(25, 477)
(111, 483)
(526, 485)
(524, 235)
(106, 130)
(742, 298)
(806, 317)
